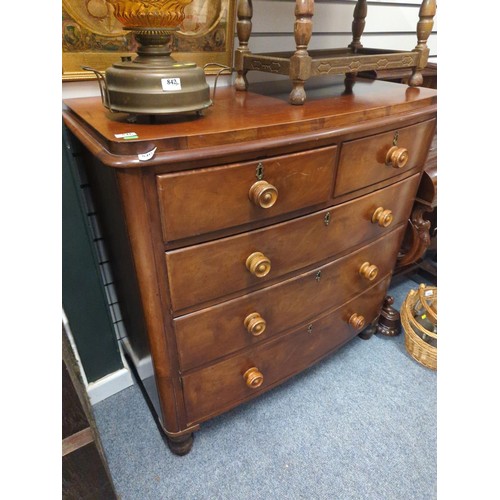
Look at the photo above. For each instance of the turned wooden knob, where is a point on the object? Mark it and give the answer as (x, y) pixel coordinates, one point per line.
(263, 194)
(255, 324)
(396, 157)
(253, 378)
(382, 216)
(258, 264)
(368, 271)
(357, 321)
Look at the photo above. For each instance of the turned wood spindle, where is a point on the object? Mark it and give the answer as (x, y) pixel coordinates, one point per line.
(244, 30)
(424, 29)
(300, 62)
(358, 25)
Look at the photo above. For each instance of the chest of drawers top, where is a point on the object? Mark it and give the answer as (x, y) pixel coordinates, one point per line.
(237, 120)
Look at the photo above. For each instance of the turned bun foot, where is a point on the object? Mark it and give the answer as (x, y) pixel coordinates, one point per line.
(368, 331)
(180, 445)
(241, 82)
(298, 94)
(416, 79)
(389, 320)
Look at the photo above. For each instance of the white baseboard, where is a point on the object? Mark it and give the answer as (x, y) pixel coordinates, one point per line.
(105, 386)
(109, 385)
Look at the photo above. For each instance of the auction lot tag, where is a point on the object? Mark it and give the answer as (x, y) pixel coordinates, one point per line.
(170, 84)
(147, 156)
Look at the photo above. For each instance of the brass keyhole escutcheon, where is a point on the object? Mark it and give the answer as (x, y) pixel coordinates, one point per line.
(263, 194)
(383, 217)
(327, 218)
(258, 264)
(318, 276)
(368, 271)
(259, 171)
(255, 324)
(395, 138)
(310, 328)
(253, 378)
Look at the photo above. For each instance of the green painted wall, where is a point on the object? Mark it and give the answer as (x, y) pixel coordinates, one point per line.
(84, 298)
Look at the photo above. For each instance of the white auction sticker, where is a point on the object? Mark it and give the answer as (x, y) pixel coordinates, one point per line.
(147, 156)
(170, 84)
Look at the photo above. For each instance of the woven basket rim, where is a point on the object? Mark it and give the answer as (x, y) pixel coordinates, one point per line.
(407, 309)
(418, 349)
(423, 299)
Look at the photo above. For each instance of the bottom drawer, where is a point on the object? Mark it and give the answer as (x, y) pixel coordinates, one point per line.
(213, 390)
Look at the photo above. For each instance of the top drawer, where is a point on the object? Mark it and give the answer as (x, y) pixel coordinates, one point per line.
(205, 200)
(369, 160)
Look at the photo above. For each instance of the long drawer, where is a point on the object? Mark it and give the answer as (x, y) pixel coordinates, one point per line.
(205, 200)
(216, 269)
(217, 388)
(369, 160)
(223, 329)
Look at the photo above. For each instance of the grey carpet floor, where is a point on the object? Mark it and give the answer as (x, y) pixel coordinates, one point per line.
(360, 424)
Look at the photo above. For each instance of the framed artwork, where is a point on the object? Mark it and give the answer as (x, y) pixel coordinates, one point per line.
(91, 36)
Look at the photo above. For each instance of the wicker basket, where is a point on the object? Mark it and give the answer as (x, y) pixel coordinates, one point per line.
(418, 314)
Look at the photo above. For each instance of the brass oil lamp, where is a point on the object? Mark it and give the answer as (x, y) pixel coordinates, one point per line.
(153, 83)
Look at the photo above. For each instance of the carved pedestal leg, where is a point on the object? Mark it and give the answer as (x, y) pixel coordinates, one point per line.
(389, 320)
(243, 29)
(424, 28)
(180, 445)
(300, 62)
(417, 237)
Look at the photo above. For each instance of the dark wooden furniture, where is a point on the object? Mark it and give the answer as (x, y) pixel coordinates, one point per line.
(256, 239)
(302, 64)
(85, 472)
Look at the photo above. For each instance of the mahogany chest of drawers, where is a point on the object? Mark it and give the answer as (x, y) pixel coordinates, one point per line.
(251, 242)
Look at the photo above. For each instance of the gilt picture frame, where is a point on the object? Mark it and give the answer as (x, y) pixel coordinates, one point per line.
(92, 37)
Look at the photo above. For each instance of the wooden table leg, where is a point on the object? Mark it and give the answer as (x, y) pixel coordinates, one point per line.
(300, 62)
(424, 28)
(358, 25)
(244, 30)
